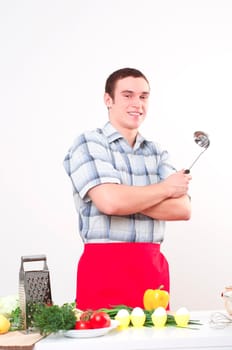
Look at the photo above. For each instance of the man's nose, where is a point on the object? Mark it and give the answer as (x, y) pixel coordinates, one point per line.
(136, 101)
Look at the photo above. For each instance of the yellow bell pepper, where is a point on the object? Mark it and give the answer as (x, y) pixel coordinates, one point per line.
(154, 298)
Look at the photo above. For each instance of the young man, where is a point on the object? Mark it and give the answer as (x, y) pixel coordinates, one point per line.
(124, 189)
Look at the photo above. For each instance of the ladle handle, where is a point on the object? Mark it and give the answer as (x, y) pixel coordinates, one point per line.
(186, 171)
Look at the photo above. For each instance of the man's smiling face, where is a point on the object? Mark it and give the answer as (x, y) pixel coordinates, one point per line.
(128, 106)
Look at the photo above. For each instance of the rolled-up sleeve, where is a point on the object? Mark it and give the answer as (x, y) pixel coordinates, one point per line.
(89, 163)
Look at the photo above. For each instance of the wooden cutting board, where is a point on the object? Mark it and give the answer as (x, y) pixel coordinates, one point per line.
(19, 340)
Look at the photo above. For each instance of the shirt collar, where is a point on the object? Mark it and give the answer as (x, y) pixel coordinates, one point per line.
(112, 134)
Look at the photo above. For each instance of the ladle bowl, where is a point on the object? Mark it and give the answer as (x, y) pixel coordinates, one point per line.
(202, 140)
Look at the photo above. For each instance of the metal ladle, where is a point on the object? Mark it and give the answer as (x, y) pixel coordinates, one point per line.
(202, 139)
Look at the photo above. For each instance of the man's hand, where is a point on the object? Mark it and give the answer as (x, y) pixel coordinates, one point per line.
(119, 199)
(177, 184)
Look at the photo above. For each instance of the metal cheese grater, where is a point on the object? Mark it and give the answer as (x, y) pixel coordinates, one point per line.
(34, 287)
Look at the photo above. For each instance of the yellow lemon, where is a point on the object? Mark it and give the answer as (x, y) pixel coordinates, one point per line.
(123, 318)
(182, 317)
(4, 324)
(159, 317)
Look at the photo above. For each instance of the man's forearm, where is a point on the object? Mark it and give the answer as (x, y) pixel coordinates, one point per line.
(120, 199)
(170, 209)
(113, 199)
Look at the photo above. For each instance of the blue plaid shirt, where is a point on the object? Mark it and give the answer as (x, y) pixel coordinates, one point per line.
(104, 156)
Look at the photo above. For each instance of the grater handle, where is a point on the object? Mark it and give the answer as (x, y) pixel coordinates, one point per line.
(27, 258)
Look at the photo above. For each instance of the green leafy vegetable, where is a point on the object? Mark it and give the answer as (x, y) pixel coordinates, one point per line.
(51, 319)
(8, 303)
(16, 319)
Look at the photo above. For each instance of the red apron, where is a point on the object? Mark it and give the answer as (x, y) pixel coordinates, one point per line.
(112, 274)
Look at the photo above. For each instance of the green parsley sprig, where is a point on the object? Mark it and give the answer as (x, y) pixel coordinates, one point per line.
(51, 319)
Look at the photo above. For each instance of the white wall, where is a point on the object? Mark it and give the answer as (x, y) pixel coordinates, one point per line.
(54, 58)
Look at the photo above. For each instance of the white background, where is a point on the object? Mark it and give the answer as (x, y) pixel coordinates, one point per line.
(55, 56)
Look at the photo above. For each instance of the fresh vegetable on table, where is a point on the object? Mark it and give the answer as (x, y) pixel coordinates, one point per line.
(8, 303)
(10, 313)
(82, 325)
(93, 319)
(51, 319)
(99, 319)
(113, 312)
(16, 319)
(4, 324)
(154, 298)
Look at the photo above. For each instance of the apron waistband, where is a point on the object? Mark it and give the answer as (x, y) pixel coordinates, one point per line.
(121, 247)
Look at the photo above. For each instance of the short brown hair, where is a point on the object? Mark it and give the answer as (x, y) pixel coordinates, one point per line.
(120, 74)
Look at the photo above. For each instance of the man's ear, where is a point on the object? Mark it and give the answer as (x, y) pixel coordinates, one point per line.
(108, 100)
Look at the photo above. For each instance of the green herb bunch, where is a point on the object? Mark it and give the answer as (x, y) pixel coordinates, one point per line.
(51, 319)
(16, 319)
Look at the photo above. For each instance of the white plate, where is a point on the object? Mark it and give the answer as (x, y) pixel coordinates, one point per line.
(90, 333)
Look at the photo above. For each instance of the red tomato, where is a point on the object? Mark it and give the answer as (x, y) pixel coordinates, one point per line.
(82, 325)
(99, 319)
(85, 316)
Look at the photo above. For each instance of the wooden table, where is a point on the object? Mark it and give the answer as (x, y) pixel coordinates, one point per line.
(18, 340)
